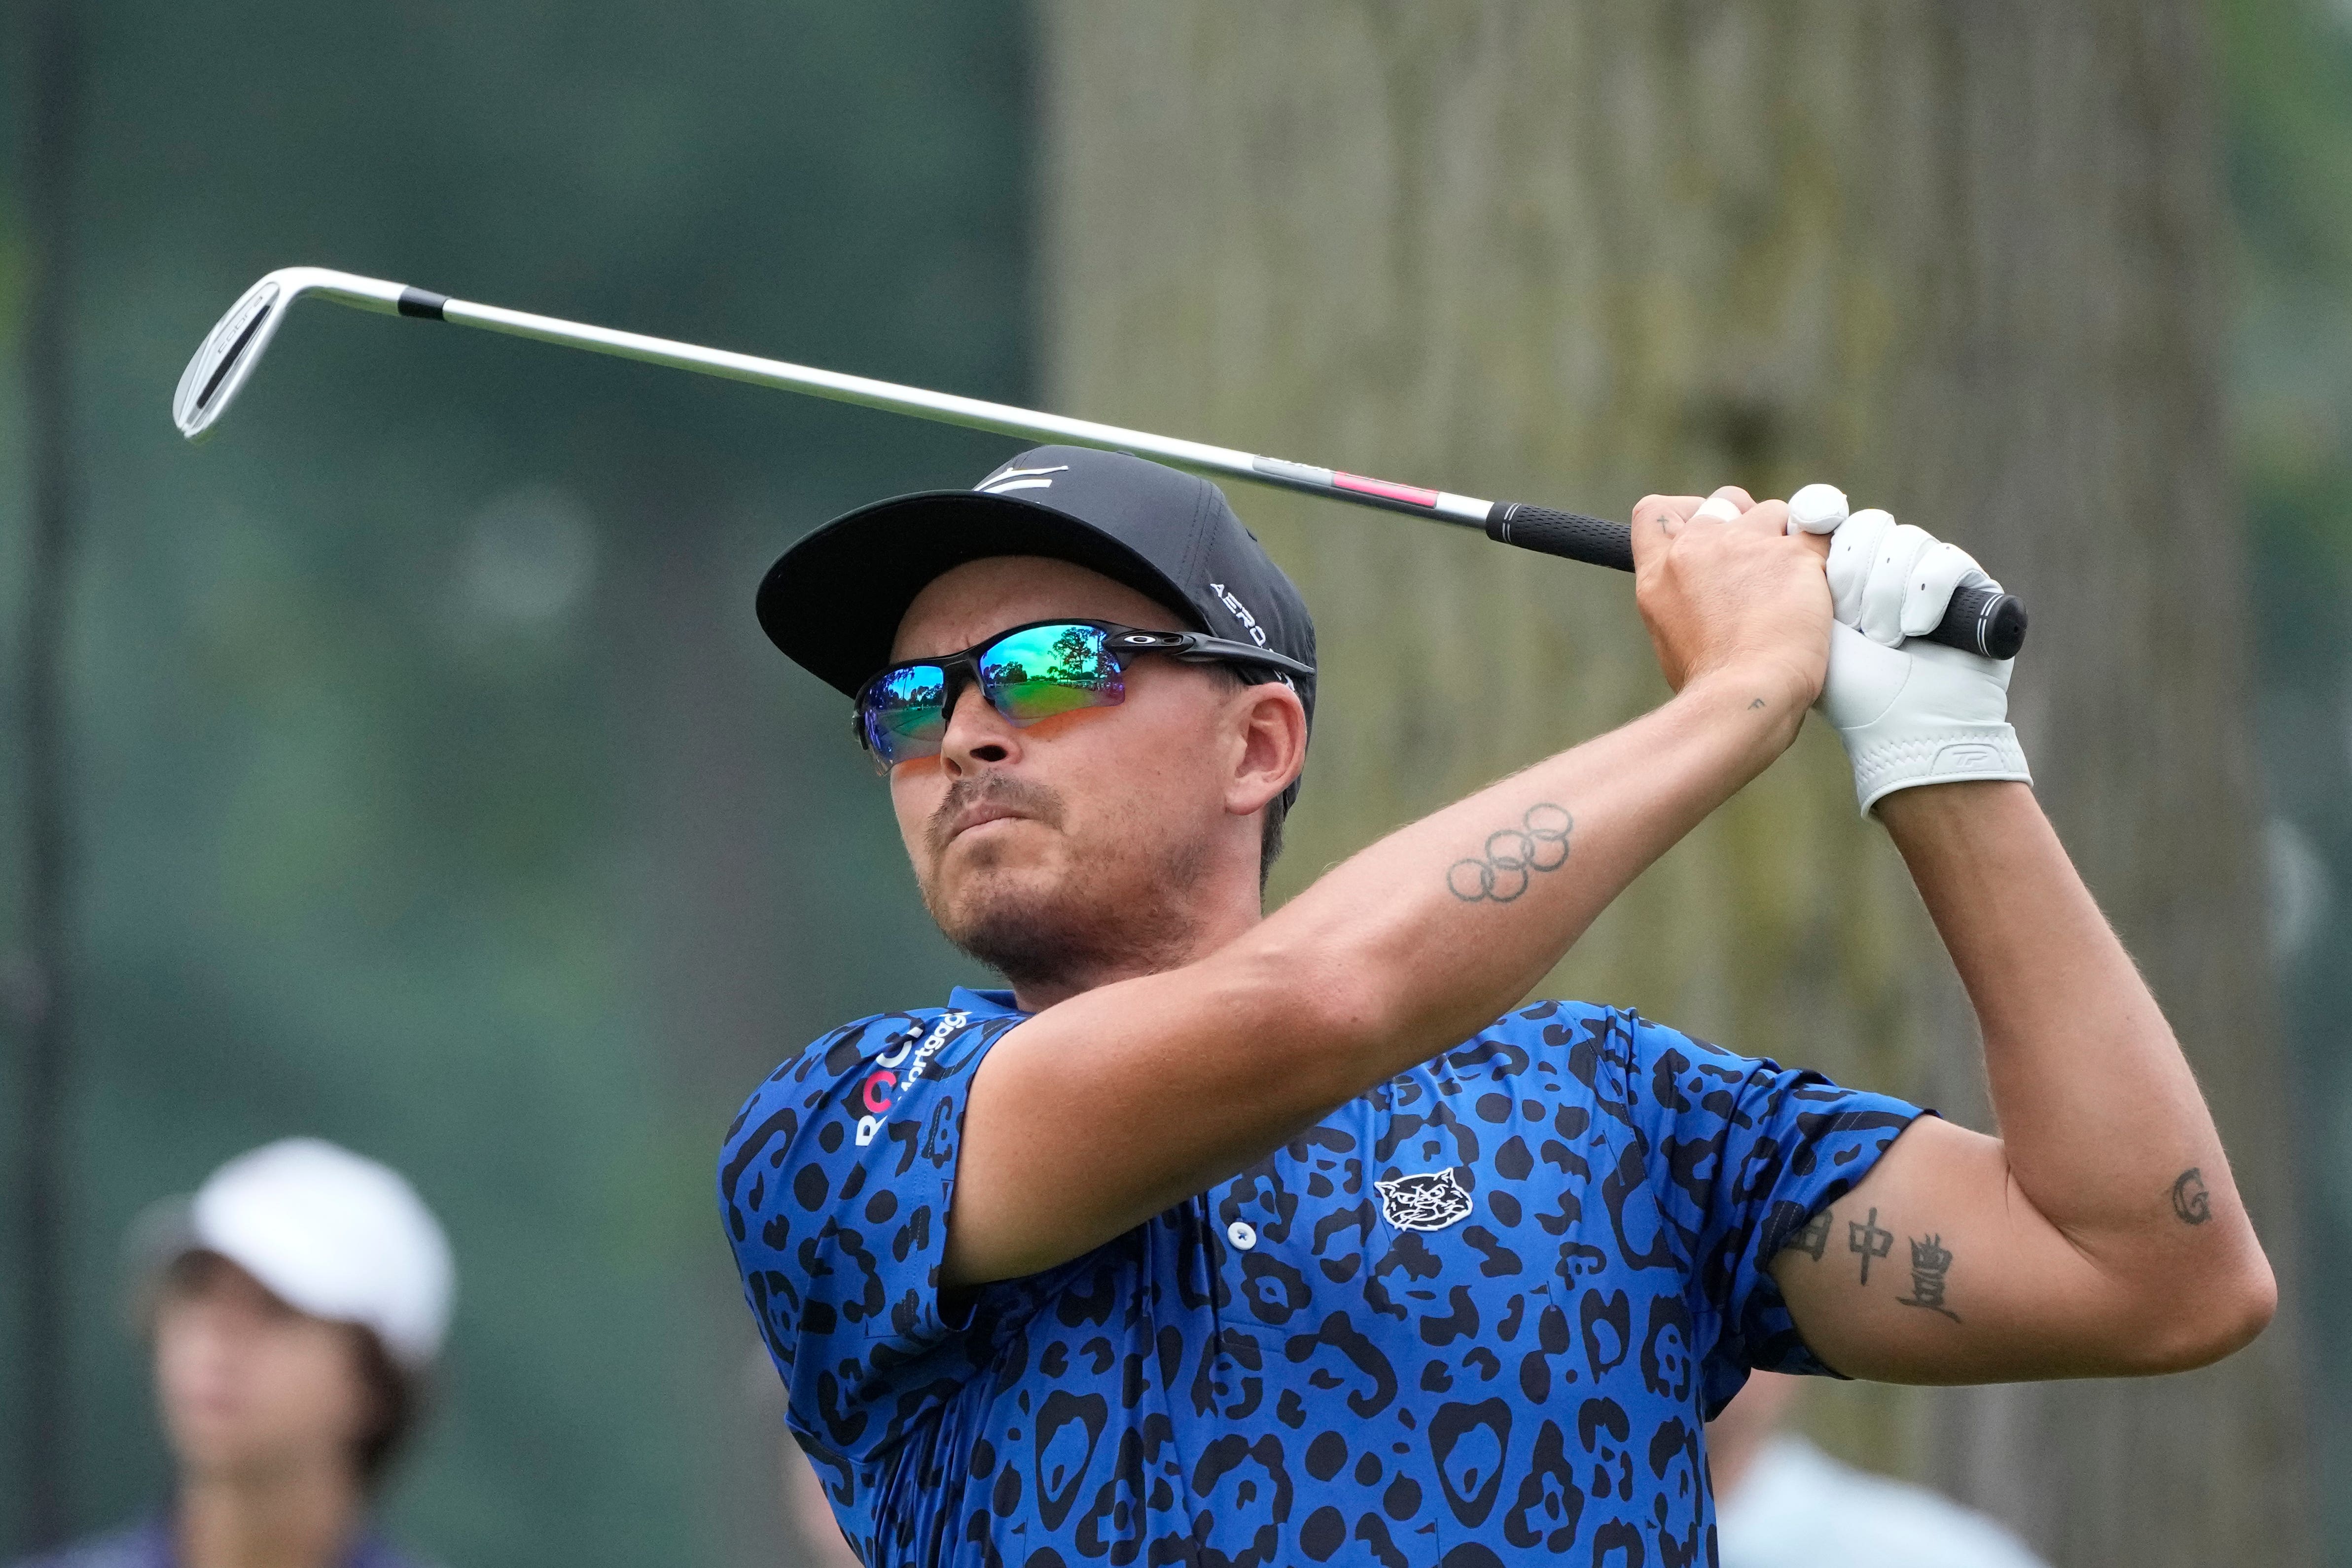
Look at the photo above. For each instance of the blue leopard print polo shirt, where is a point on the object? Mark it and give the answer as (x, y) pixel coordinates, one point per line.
(1476, 1316)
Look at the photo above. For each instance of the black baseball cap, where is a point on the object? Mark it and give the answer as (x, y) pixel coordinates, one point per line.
(832, 602)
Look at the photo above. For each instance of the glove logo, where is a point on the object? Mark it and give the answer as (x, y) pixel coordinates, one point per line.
(1428, 1201)
(1967, 756)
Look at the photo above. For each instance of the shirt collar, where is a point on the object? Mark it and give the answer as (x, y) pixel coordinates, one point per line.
(984, 1003)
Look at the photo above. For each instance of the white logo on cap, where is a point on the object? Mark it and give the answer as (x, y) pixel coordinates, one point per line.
(1005, 479)
(1248, 621)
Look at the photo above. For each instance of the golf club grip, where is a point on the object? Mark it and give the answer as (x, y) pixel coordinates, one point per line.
(1591, 539)
(1978, 620)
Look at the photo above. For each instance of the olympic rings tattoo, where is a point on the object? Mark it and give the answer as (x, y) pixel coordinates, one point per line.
(1512, 856)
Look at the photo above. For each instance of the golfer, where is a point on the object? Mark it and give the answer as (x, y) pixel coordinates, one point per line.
(297, 1303)
(1228, 1239)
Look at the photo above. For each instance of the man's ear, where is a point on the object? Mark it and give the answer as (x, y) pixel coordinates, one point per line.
(1271, 726)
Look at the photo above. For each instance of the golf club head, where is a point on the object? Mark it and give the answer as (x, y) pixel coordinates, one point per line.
(224, 362)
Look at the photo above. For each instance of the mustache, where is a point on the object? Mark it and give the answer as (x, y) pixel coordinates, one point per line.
(1029, 799)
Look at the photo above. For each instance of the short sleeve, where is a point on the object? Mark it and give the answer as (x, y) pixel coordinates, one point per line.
(834, 1185)
(1741, 1154)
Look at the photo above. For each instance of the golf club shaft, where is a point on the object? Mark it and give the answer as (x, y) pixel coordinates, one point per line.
(1978, 620)
(1609, 544)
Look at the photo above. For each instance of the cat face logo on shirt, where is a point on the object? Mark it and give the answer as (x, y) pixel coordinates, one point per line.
(1429, 1202)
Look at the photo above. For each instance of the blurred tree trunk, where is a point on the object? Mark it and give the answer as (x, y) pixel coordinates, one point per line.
(1962, 261)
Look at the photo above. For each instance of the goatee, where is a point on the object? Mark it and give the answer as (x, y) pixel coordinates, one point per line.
(1072, 935)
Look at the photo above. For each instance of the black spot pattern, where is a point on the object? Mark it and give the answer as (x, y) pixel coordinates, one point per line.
(1274, 1372)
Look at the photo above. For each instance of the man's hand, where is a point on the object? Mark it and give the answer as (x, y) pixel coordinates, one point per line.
(1722, 585)
(1912, 712)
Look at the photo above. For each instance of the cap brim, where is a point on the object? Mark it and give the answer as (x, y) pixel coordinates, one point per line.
(832, 602)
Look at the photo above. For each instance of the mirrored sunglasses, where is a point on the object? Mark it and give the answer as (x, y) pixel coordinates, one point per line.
(1026, 674)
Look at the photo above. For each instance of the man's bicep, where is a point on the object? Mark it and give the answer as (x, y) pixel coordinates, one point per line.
(1936, 1269)
(1091, 1117)
(1009, 1214)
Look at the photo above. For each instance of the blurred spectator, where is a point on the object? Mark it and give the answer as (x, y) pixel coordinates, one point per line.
(1782, 1503)
(296, 1304)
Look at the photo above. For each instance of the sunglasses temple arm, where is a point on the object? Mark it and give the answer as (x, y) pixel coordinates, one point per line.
(1212, 650)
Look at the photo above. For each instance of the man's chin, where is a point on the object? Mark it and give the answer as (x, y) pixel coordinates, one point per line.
(992, 866)
(1041, 911)
(1027, 924)
(981, 898)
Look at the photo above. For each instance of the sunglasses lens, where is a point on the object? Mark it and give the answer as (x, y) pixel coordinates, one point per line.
(904, 715)
(1044, 670)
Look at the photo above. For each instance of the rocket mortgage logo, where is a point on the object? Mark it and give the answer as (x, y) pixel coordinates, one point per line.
(881, 1088)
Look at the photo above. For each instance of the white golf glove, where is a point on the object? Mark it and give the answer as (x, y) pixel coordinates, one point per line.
(1915, 712)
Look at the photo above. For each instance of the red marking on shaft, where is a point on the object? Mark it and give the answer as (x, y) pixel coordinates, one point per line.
(1413, 493)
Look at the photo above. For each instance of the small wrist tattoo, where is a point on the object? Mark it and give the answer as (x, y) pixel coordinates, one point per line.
(1512, 855)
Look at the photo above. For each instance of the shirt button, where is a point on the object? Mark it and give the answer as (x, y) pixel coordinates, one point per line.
(1242, 1234)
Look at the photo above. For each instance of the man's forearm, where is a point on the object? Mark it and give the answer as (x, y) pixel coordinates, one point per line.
(1438, 928)
(2102, 1124)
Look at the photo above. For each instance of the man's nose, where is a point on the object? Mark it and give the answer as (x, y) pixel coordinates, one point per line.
(977, 734)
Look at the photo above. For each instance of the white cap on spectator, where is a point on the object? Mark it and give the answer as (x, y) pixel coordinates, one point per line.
(333, 1234)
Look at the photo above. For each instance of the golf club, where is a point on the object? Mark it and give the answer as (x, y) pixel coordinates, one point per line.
(1978, 620)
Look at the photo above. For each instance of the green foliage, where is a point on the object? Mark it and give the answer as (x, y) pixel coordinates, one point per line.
(2288, 65)
(439, 793)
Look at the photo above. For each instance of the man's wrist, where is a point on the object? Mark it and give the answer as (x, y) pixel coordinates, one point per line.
(1886, 765)
(1927, 814)
(1765, 700)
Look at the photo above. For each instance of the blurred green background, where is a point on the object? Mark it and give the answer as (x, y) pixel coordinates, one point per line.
(437, 792)
(2287, 78)
(2287, 74)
